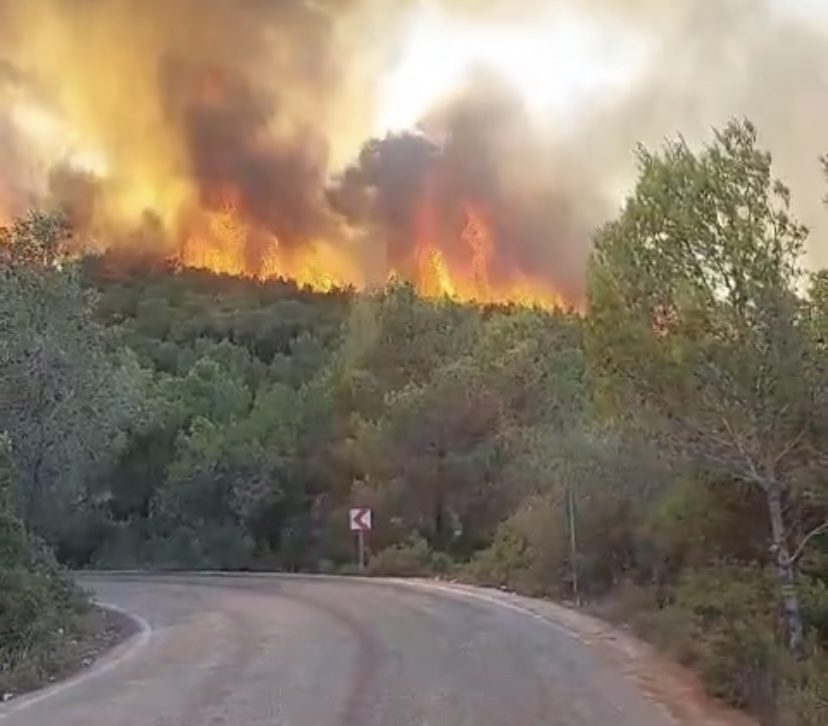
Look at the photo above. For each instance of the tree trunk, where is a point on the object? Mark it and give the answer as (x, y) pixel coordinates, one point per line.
(785, 574)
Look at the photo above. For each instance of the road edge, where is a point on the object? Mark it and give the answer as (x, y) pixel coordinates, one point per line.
(119, 655)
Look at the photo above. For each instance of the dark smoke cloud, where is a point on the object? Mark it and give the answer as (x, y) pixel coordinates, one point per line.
(480, 148)
(380, 192)
(540, 216)
(277, 183)
(245, 101)
(253, 102)
(711, 60)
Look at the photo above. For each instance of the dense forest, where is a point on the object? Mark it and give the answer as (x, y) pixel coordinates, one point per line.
(660, 458)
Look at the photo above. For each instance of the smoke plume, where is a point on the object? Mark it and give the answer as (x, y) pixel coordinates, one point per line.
(232, 134)
(481, 184)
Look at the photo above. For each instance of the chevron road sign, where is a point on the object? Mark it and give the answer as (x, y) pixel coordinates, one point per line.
(359, 519)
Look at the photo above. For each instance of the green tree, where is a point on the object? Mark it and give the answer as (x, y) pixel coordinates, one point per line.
(695, 321)
(63, 400)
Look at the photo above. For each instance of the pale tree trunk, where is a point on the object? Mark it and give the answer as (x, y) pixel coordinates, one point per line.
(785, 573)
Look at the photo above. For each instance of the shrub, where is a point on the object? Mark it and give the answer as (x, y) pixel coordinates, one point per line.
(804, 698)
(722, 621)
(41, 610)
(509, 561)
(413, 558)
(529, 553)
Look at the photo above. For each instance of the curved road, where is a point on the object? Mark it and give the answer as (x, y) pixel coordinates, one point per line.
(303, 651)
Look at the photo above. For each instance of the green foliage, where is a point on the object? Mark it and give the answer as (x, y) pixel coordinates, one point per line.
(40, 608)
(63, 402)
(693, 313)
(182, 419)
(695, 322)
(729, 621)
(511, 561)
(804, 700)
(412, 558)
(723, 620)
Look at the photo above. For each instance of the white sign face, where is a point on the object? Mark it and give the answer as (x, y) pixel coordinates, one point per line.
(359, 519)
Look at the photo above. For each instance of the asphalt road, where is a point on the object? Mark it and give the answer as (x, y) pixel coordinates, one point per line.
(264, 651)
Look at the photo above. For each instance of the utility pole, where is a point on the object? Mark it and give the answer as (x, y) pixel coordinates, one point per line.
(573, 541)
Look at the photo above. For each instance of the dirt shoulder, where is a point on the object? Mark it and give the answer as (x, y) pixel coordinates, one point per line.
(94, 635)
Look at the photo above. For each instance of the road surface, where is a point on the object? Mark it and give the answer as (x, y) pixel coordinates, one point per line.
(273, 651)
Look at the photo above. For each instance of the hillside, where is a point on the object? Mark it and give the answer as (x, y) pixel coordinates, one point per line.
(180, 419)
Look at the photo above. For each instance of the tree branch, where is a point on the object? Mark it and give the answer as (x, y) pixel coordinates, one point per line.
(815, 532)
(747, 460)
(789, 447)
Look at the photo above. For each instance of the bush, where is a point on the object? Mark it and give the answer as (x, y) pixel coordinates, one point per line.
(413, 558)
(722, 622)
(509, 562)
(814, 595)
(204, 547)
(529, 553)
(804, 698)
(41, 609)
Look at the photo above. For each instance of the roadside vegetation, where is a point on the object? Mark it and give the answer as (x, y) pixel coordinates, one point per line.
(180, 419)
(47, 627)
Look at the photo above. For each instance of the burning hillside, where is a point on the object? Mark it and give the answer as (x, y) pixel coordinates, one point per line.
(231, 136)
(195, 151)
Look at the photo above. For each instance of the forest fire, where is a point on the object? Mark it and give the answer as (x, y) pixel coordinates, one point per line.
(208, 161)
(219, 238)
(468, 276)
(243, 148)
(444, 242)
(458, 267)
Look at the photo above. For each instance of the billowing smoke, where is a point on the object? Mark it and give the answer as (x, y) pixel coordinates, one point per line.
(479, 159)
(194, 102)
(764, 59)
(220, 123)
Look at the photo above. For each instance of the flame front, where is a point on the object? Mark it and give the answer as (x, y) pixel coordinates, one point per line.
(219, 239)
(469, 274)
(211, 229)
(219, 153)
(455, 261)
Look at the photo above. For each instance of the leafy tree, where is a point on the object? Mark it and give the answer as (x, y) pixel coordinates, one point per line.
(694, 319)
(41, 608)
(63, 402)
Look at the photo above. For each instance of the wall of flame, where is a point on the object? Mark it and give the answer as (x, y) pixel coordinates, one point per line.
(231, 136)
(209, 132)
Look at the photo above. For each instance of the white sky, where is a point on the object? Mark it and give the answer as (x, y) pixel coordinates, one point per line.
(580, 61)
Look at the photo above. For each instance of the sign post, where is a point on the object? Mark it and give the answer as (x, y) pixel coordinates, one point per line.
(359, 521)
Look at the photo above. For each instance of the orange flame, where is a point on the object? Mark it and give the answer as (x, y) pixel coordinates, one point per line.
(209, 230)
(139, 164)
(215, 237)
(468, 276)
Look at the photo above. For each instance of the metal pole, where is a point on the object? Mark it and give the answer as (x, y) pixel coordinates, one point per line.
(573, 542)
(361, 547)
